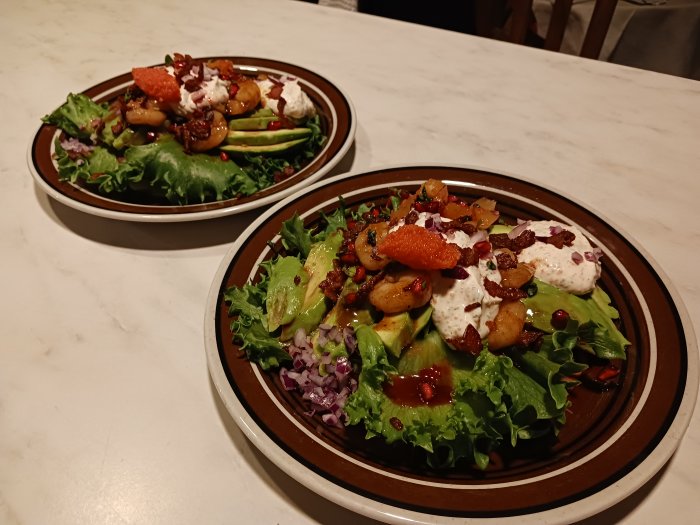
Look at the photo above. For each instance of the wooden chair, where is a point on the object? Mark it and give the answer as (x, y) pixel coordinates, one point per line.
(516, 28)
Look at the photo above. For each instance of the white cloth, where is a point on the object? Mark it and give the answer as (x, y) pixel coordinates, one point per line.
(579, 18)
(350, 5)
(658, 35)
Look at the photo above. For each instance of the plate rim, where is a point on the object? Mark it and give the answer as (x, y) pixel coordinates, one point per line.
(577, 510)
(205, 214)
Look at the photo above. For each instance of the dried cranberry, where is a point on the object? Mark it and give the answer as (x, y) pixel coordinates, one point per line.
(223, 156)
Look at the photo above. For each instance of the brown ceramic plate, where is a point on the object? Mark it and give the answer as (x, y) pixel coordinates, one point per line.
(337, 119)
(613, 440)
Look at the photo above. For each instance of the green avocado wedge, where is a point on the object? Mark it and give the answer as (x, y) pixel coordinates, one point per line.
(251, 123)
(266, 137)
(269, 149)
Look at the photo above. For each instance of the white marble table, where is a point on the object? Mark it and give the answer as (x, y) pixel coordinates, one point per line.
(107, 413)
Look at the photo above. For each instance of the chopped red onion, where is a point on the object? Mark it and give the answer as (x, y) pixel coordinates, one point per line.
(555, 230)
(479, 236)
(594, 255)
(349, 339)
(520, 228)
(198, 96)
(577, 257)
(327, 392)
(209, 73)
(73, 145)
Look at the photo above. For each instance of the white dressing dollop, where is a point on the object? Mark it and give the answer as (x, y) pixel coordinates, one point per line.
(568, 268)
(458, 303)
(210, 93)
(298, 105)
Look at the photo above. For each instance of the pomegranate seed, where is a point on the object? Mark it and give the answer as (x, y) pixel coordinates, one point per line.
(274, 125)
(426, 391)
(417, 286)
(396, 423)
(351, 246)
(482, 248)
(351, 224)
(560, 318)
(348, 258)
(608, 373)
(452, 198)
(150, 136)
(351, 298)
(360, 274)
(433, 206)
(418, 206)
(223, 156)
(233, 90)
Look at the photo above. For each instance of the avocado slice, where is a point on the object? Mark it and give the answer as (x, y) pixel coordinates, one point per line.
(285, 291)
(251, 123)
(268, 149)
(318, 263)
(266, 137)
(395, 331)
(421, 321)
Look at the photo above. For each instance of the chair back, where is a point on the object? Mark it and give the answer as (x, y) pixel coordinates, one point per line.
(521, 17)
(603, 11)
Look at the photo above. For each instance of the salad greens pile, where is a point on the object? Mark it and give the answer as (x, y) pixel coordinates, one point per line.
(99, 149)
(496, 399)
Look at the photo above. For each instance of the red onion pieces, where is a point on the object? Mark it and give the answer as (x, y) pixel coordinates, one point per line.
(520, 228)
(322, 382)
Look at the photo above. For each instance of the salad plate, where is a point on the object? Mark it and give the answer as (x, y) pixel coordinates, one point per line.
(615, 438)
(336, 122)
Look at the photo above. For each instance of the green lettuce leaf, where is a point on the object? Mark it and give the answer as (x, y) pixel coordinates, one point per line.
(295, 237)
(78, 116)
(493, 402)
(250, 326)
(185, 178)
(598, 333)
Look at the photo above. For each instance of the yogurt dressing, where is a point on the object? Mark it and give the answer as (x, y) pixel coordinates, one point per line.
(212, 92)
(298, 105)
(458, 303)
(558, 266)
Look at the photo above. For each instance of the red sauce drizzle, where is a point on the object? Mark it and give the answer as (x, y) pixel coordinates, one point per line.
(430, 386)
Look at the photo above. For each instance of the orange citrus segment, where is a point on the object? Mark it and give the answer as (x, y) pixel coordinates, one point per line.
(419, 249)
(156, 83)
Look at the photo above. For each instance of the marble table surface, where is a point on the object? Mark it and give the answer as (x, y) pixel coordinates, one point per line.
(107, 412)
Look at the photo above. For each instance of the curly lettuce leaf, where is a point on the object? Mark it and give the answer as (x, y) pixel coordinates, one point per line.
(250, 326)
(161, 168)
(598, 333)
(79, 116)
(295, 237)
(185, 178)
(493, 402)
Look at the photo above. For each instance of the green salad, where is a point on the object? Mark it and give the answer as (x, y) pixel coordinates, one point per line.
(188, 132)
(431, 321)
